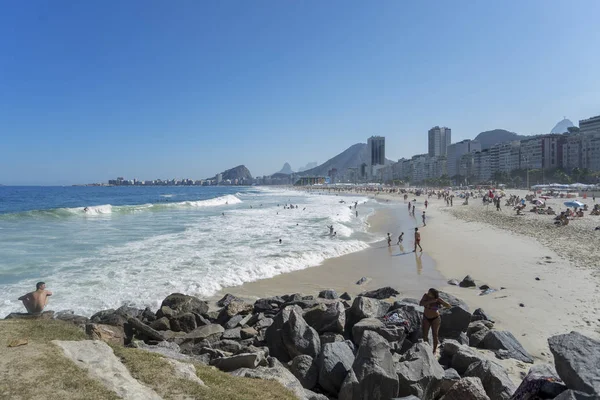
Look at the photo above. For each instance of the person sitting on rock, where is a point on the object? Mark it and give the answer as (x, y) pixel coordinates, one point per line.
(431, 316)
(35, 302)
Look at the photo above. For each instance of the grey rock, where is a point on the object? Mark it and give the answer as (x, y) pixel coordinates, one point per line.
(453, 282)
(411, 397)
(373, 375)
(230, 346)
(161, 324)
(277, 372)
(577, 361)
(575, 395)
(165, 311)
(233, 322)
(145, 330)
(362, 280)
(233, 334)
(451, 376)
(476, 332)
(228, 298)
(268, 305)
(310, 395)
(148, 316)
(364, 307)
(182, 303)
(232, 309)
(305, 370)
(419, 373)
(452, 300)
(480, 315)
(326, 317)
(464, 357)
(185, 322)
(108, 317)
(454, 321)
(494, 379)
(381, 293)
(228, 364)
(212, 333)
(299, 338)
(274, 334)
(504, 340)
(466, 389)
(263, 323)
(126, 311)
(335, 361)
(390, 332)
(413, 314)
(345, 296)
(330, 337)
(328, 294)
(304, 304)
(248, 333)
(467, 282)
(541, 382)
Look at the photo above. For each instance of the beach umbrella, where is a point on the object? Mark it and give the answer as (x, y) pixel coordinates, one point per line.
(539, 202)
(573, 204)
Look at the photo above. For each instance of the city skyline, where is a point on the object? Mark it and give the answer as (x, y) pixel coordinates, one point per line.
(192, 89)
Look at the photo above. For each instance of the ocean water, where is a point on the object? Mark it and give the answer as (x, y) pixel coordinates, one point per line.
(136, 245)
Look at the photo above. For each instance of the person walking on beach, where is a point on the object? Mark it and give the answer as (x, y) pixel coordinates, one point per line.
(409, 207)
(417, 241)
(400, 238)
(426, 203)
(389, 240)
(35, 302)
(330, 229)
(431, 303)
(423, 217)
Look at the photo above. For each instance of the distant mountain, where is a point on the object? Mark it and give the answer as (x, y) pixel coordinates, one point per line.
(287, 169)
(352, 157)
(490, 138)
(562, 126)
(310, 165)
(240, 172)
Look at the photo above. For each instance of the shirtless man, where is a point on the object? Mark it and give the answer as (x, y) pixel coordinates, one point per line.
(417, 240)
(35, 302)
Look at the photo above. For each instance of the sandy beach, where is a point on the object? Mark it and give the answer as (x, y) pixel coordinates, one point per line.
(499, 249)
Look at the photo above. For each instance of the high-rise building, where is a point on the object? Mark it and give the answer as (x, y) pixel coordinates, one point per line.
(439, 140)
(590, 125)
(456, 150)
(376, 150)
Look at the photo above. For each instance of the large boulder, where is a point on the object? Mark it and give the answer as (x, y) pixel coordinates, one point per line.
(466, 389)
(577, 361)
(467, 282)
(419, 373)
(108, 317)
(144, 330)
(390, 332)
(329, 294)
(232, 309)
(334, 362)
(299, 338)
(182, 303)
(210, 333)
(365, 307)
(458, 356)
(412, 314)
(228, 364)
(476, 333)
(451, 376)
(326, 317)
(453, 300)
(185, 322)
(106, 333)
(541, 382)
(305, 369)
(373, 375)
(381, 293)
(274, 334)
(575, 395)
(228, 298)
(480, 315)
(494, 379)
(505, 345)
(455, 320)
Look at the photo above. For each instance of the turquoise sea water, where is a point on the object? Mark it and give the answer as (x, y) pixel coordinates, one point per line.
(135, 245)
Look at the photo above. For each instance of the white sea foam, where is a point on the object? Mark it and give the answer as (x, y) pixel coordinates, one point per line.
(196, 250)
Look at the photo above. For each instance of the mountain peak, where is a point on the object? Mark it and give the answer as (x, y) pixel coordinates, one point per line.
(287, 169)
(562, 126)
(495, 136)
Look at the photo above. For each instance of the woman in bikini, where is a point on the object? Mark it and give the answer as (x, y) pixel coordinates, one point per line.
(431, 316)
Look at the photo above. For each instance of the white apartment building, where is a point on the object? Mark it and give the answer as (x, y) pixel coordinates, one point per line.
(438, 140)
(590, 125)
(508, 156)
(531, 153)
(456, 150)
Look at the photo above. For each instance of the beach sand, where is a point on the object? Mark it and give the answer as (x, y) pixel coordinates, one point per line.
(495, 249)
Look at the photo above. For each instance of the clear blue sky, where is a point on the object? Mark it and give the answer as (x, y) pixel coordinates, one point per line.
(90, 90)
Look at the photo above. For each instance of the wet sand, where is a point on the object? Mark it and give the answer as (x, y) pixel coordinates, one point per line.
(397, 266)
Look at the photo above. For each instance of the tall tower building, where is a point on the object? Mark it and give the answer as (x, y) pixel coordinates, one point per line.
(439, 140)
(377, 150)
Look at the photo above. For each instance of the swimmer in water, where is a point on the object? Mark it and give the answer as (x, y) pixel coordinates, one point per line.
(330, 229)
(389, 240)
(85, 209)
(279, 241)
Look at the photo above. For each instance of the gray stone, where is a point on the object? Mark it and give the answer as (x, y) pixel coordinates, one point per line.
(418, 372)
(185, 322)
(364, 307)
(330, 337)
(326, 317)
(480, 315)
(230, 346)
(464, 357)
(476, 333)
(466, 389)
(541, 382)
(310, 395)
(362, 280)
(277, 372)
(305, 370)
(148, 316)
(299, 338)
(452, 300)
(228, 298)
(274, 334)
(268, 306)
(413, 314)
(72, 318)
(185, 371)
(182, 303)
(233, 334)
(335, 361)
(248, 333)
(455, 320)
(381, 293)
(494, 379)
(390, 332)
(467, 282)
(373, 375)
(328, 294)
(211, 333)
(106, 333)
(232, 309)
(127, 312)
(575, 395)
(145, 330)
(108, 317)
(451, 376)
(165, 311)
(263, 323)
(345, 296)
(161, 324)
(577, 361)
(228, 364)
(453, 282)
(504, 340)
(233, 322)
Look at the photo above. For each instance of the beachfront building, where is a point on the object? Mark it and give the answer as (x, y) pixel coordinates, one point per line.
(310, 180)
(376, 150)
(531, 153)
(482, 168)
(466, 167)
(552, 151)
(508, 156)
(456, 150)
(590, 125)
(438, 140)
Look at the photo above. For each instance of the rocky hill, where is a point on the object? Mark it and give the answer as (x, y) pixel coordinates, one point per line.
(286, 169)
(308, 166)
(352, 157)
(562, 126)
(490, 138)
(240, 172)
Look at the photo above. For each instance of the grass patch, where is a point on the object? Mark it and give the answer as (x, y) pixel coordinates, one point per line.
(154, 371)
(41, 331)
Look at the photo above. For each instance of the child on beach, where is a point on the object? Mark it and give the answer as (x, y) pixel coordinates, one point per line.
(400, 238)
(389, 240)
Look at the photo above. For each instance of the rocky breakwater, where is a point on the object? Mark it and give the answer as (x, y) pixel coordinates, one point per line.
(370, 347)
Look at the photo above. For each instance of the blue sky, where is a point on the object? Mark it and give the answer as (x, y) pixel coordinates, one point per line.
(94, 89)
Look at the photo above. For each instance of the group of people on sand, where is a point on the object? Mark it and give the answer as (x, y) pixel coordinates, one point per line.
(417, 240)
